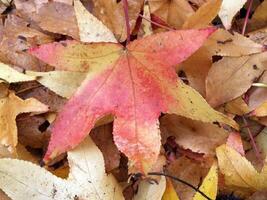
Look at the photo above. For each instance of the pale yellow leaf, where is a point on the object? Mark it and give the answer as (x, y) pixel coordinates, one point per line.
(10, 75)
(90, 28)
(228, 10)
(87, 179)
(63, 83)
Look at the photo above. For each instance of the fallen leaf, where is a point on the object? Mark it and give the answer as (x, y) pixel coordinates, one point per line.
(237, 106)
(238, 171)
(136, 90)
(147, 190)
(63, 83)
(102, 137)
(10, 107)
(209, 185)
(87, 178)
(30, 131)
(90, 28)
(259, 18)
(235, 141)
(111, 13)
(204, 15)
(224, 43)
(57, 17)
(238, 75)
(185, 129)
(170, 193)
(10, 75)
(172, 12)
(190, 171)
(228, 10)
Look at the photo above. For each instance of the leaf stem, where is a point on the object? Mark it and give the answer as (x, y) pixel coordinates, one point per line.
(261, 85)
(256, 150)
(127, 21)
(247, 16)
(181, 181)
(157, 24)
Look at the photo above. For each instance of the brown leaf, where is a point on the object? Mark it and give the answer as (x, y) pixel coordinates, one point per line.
(103, 138)
(111, 13)
(172, 12)
(197, 136)
(230, 77)
(189, 171)
(57, 17)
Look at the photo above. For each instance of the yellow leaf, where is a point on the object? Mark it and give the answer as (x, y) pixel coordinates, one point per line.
(170, 193)
(209, 185)
(238, 171)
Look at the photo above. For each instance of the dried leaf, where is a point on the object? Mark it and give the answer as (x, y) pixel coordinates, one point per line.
(10, 107)
(206, 136)
(230, 77)
(111, 13)
(87, 178)
(173, 13)
(204, 15)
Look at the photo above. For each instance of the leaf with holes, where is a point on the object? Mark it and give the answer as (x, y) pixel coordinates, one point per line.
(135, 84)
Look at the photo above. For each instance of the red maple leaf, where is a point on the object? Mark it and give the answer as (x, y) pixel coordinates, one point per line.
(135, 84)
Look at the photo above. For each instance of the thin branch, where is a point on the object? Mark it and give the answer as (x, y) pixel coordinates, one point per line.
(127, 21)
(157, 24)
(247, 16)
(255, 148)
(181, 181)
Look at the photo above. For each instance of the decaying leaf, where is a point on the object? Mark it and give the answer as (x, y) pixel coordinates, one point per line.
(238, 171)
(137, 79)
(10, 107)
(87, 178)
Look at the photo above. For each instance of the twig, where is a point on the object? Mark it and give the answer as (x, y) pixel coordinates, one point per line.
(127, 21)
(181, 181)
(247, 16)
